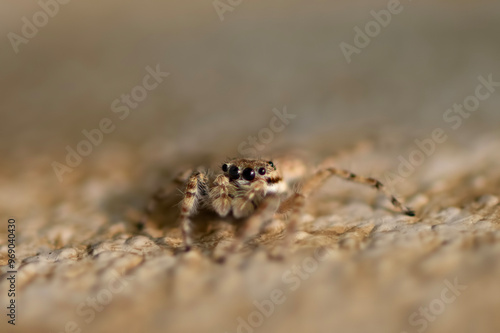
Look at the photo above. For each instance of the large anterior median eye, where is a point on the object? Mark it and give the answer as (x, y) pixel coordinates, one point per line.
(248, 174)
(234, 172)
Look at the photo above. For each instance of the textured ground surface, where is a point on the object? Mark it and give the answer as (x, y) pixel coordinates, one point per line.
(376, 267)
(356, 266)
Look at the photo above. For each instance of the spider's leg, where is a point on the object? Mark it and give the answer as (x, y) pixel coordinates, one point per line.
(160, 196)
(247, 198)
(255, 223)
(296, 202)
(196, 188)
(322, 175)
(293, 205)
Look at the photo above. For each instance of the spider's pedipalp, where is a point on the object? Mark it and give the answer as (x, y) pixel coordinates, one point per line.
(220, 195)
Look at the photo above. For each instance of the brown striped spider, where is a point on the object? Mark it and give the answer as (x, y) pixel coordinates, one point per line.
(254, 189)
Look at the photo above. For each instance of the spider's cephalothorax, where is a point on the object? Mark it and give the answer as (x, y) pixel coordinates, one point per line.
(255, 188)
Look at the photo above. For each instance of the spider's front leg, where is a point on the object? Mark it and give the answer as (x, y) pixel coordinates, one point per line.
(196, 189)
(259, 207)
(160, 197)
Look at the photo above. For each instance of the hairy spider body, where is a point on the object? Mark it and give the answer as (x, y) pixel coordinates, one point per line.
(255, 189)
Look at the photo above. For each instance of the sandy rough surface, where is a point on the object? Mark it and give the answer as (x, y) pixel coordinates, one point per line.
(355, 266)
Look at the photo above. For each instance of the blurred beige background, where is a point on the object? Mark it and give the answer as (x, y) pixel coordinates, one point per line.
(225, 79)
(227, 76)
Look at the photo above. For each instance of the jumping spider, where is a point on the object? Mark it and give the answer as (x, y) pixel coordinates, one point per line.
(255, 189)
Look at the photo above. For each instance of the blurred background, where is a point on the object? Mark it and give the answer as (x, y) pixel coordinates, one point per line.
(226, 76)
(230, 65)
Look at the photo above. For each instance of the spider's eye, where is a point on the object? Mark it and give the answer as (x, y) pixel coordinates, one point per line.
(234, 172)
(262, 171)
(248, 174)
(224, 167)
(271, 164)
